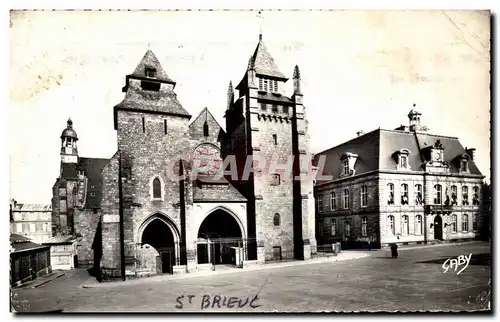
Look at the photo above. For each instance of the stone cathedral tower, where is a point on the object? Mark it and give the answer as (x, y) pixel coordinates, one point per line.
(265, 125)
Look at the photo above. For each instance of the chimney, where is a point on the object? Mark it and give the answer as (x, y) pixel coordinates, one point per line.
(360, 132)
(471, 152)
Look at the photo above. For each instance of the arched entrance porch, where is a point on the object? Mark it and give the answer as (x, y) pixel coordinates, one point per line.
(160, 233)
(221, 239)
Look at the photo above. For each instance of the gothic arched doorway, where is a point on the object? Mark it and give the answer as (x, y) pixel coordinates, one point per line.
(220, 239)
(438, 227)
(159, 233)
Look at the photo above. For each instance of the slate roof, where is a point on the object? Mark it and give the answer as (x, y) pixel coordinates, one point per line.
(21, 243)
(92, 167)
(149, 60)
(274, 97)
(59, 240)
(162, 101)
(93, 171)
(375, 151)
(15, 238)
(32, 207)
(264, 63)
(69, 171)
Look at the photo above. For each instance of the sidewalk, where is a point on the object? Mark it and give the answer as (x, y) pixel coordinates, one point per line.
(409, 247)
(344, 255)
(42, 280)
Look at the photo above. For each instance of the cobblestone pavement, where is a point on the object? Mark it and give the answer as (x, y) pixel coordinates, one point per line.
(413, 282)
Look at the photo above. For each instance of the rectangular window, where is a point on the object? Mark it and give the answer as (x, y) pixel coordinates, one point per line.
(165, 126)
(143, 125)
(454, 195)
(19, 228)
(465, 195)
(392, 227)
(263, 106)
(333, 229)
(275, 108)
(437, 194)
(275, 85)
(454, 223)
(345, 165)
(39, 226)
(275, 139)
(150, 72)
(403, 161)
(405, 228)
(364, 196)
(346, 198)
(265, 85)
(418, 194)
(32, 228)
(463, 166)
(285, 109)
(261, 84)
(333, 201)
(474, 222)
(418, 225)
(404, 194)
(320, 203)
(364, 224)
(465, 223)
(347, 229)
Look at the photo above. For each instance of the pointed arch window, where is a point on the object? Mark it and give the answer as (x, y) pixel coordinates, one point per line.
(156, 188)
(205, 129)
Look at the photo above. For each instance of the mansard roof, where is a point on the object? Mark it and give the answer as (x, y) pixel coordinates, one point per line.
(375, 151)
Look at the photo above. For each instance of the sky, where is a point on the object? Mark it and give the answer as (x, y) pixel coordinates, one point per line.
(361, 70)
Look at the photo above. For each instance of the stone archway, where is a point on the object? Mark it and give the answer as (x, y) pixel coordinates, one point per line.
(160, 233)
(221, 239)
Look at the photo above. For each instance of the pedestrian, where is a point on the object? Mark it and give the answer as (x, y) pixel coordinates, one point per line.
(394, 250)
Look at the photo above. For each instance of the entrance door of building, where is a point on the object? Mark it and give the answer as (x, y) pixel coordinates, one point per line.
(167, 262)
(438, 228)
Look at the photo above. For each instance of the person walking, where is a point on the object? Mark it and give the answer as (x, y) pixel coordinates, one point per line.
(394, 250)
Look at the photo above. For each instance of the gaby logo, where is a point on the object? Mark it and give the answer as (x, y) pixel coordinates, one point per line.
(455, 263)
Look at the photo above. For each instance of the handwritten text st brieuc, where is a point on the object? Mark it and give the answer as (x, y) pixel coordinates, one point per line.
(455, 263)
(218, 301)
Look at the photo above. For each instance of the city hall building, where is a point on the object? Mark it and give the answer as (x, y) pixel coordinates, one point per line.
(399, 186)
(151, 208)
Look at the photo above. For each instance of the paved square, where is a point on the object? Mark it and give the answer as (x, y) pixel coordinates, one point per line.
(413, 282)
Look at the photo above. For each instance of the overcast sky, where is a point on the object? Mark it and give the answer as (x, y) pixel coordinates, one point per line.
(361, 70)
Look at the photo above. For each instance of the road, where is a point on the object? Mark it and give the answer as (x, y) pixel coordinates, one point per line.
(415, 281)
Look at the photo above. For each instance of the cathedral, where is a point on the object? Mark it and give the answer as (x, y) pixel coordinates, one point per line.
(160, 206)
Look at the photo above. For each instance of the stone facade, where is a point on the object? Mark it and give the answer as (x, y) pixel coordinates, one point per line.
(415, 200)
(166, 188)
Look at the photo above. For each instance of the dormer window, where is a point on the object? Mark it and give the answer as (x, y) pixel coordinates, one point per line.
(462, 162)
(348, 161)
(150, 72)
(401, 157)
(403, 161)
(345, 165)
(463, 165)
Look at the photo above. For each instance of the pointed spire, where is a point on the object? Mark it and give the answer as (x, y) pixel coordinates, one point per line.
(230, 95)
(263, 63)
(296, 80)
